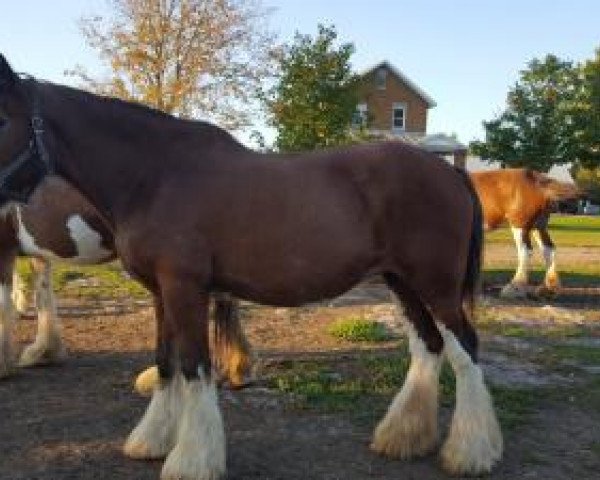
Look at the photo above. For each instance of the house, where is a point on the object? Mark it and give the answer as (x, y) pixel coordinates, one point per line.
(392, 106)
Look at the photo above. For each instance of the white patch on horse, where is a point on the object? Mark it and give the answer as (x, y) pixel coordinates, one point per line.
(524, 254)
(474, 443)
(200, 449)
(410, 426)
(87, 240)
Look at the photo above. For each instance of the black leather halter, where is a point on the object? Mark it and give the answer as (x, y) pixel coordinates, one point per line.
(19, 178)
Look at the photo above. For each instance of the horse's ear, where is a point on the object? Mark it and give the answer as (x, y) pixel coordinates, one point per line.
(7, 76)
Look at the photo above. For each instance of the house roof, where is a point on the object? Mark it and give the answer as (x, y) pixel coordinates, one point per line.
(403, 78)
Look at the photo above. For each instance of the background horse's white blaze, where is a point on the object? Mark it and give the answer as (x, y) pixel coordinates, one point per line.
(48, 345)
(7, 315)
(474, 443)
(200, 450)
(156, 434)
(410, 426)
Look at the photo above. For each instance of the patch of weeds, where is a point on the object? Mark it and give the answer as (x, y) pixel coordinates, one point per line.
(514, 405)
(363, 387)
(357, 329)
(585, 354)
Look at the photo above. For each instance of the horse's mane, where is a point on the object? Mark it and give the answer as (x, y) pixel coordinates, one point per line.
(137, 111)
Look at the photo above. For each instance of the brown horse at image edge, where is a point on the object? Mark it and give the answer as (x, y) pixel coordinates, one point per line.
(194, 212)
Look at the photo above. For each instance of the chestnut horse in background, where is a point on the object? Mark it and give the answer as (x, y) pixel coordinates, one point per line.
(524, 199)
(194, 212)
(58, 223)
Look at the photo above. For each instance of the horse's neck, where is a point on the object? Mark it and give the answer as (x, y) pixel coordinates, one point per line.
(100, 161)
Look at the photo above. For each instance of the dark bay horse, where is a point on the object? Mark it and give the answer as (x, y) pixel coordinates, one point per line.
(523, 199)
(193, 212)
(58, 223)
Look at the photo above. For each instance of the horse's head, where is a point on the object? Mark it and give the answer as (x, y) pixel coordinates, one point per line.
(23, 157)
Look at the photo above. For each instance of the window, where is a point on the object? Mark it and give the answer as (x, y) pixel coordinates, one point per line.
(359, 119)
(380, 78)
(399, 116)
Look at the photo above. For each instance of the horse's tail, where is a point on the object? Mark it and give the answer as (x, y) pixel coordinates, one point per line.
(553, 190)
(474, 259)
(232, 350)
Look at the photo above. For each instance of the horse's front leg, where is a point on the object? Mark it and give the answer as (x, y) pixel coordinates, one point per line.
(183, 420)
(7, 316)
(48, 346)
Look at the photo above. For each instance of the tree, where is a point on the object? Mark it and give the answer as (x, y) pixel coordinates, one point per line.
(536, 129)
(585, 114)
(186, 57)
(588, 179)
(312, 103)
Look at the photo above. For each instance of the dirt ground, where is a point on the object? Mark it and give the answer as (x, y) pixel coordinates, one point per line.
(69, 421)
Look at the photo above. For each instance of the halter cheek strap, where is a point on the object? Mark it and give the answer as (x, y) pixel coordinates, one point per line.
(33, 160)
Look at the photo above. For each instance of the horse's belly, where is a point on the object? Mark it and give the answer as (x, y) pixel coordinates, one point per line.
(298, 277)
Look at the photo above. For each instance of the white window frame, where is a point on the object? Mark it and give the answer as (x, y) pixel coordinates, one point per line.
(362, 111)
(403, 107)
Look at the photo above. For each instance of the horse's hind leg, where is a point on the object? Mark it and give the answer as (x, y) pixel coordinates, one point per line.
(48, 346)
(474, 443)
(410, 426)
(546, 246)
(7, 315)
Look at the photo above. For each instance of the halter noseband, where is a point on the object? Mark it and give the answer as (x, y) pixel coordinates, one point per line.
(33, 161)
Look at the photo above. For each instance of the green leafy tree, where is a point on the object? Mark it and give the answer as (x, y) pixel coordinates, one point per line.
(584, 113)
(314, 98)
(588, 179)
(537, 128)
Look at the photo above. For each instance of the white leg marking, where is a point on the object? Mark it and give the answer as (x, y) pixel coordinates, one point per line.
(524, 254)
(155, 435)
(410, 426)
(200, 450)
(48, 345)
(552, 279)
(7, 318)
(19, 292)
(474, 443)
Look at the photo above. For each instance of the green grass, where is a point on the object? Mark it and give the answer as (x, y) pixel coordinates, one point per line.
(357, 329)
(565, 230)
(365, 386)
(107, 280)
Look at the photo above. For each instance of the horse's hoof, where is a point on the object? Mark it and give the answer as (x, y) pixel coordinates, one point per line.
(34, 355)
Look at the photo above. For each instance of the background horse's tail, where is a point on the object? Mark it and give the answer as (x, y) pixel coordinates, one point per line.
(474, 260)
(553, 190)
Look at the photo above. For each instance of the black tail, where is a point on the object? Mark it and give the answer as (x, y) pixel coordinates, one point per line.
(474, 260)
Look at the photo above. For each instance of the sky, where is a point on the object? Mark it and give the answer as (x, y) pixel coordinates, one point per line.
(465, 54)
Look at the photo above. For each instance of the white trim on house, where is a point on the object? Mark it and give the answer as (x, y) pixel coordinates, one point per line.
(360, 117)
(402, 107)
